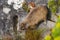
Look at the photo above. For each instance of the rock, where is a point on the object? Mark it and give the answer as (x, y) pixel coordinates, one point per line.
(6, 10)
(7, 37)
(50, 24)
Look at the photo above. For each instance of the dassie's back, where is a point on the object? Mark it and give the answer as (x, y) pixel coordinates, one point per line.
(37, 14)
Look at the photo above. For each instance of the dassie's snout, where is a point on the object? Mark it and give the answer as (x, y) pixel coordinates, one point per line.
(22, 26)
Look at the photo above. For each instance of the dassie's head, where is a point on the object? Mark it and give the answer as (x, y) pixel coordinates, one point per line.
(22, 26)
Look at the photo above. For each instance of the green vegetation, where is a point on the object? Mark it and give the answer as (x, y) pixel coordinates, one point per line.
(33, 34)
(25, 7)
(59, 2)
(53, 5)
(55, 33)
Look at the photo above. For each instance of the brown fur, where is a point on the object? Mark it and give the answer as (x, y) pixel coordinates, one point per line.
(36, 15)
(31, 4)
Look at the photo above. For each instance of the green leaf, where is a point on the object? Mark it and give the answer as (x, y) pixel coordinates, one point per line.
(56, 29)
(51, 3)
(56, 32)
(54, 9)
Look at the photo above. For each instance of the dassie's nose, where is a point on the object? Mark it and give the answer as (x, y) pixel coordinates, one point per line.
(22, 28)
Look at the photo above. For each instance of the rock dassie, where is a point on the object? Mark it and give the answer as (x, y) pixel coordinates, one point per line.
(36, 15)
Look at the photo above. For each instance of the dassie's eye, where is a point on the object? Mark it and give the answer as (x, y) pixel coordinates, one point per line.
(22, 26)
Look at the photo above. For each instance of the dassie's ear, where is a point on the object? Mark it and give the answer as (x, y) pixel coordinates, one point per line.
(31, 4)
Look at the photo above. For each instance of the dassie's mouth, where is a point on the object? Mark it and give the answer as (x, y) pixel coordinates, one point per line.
(23, 28)
(26, 26)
